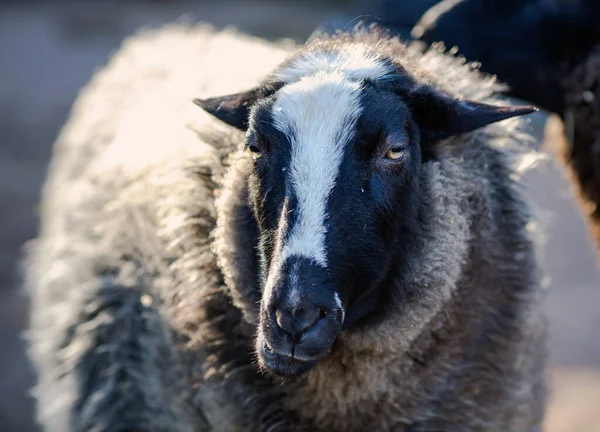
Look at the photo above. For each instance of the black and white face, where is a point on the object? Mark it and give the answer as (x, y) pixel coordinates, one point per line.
(332, 181)
(335, 192)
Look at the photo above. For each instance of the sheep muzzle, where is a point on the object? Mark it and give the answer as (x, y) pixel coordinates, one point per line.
(301, 316)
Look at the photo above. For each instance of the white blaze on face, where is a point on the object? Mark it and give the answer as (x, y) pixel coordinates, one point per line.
(319, 114)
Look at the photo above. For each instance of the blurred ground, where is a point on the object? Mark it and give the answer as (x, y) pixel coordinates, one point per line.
(49, 50)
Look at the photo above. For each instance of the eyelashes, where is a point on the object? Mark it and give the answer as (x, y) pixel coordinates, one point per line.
(252, 145)
(256, 153)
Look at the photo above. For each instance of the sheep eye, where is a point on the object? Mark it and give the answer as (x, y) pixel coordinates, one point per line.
(394, 153)
(255, 151)
(251, 144)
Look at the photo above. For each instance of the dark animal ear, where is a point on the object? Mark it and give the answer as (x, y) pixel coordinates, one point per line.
(440, 116)
(232, 109)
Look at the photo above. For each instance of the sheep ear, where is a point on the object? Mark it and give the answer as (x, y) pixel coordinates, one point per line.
(440, 116)
(232, 109)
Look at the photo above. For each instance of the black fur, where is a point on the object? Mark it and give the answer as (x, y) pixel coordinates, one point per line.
(529, 44)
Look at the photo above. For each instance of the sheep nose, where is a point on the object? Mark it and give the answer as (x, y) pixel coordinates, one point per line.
(296, 323)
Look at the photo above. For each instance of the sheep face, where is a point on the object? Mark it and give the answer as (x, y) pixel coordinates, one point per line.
(337, 148)
(331, 198)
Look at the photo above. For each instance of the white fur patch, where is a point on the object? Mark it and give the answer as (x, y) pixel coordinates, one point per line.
(339, 305)
(295, 299)
(357, 62)
(319, 114)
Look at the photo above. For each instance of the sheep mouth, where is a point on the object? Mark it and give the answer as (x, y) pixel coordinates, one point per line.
(283, 364)
(286, 355)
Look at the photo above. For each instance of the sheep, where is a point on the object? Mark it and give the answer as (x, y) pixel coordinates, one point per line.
(581, 148)
(338, 245)
(529, 44)
(548, 52)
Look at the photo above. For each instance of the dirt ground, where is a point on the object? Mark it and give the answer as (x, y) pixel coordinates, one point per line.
(49, 50)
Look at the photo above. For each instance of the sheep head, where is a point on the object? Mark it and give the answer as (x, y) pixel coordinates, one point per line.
(338, 136)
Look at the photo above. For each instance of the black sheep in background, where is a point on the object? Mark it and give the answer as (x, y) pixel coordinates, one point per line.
(530, 44)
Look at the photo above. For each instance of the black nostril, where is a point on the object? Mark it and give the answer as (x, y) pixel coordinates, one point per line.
(299, 321)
